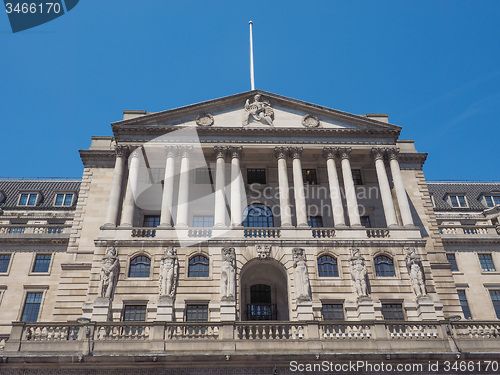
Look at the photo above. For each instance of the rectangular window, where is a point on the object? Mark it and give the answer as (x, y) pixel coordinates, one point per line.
(332, 311)
(203, 221)
(64, 199)
(134, 313)
(463, 302)
(196, 313)
(315, 221)
(256, 176)
(486, 261)
(32, 307)
(42, 263)
(492, 200)
(309, 176)
(457, 201)
(495, 298)
(4, 262)
(356, 176)
(392, 311)
(16, 230)
(203, 176)
(365, 221)
(453, 261)
(151, 221)
(28, 199)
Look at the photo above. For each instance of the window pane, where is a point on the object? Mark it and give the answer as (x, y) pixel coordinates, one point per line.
(23, 200)
(454, 200)
(309, 176)
(32, 307)
(139, 267)
(461, 200)
(151, 221)
(315, 221)
(332, 312)
(59, 199)
(356, 176)
(198, 266)
(256, 176)
(42, 263)
(32, 199)
(197, 313)
(327, 266)
(463, 302)
(384, 266)
(4, 262)
(203, 176)
(68, 199)
(495, 298)
(496, 199)
(365, 221)
(486, 262)
(203, 221)
(134, 313)
(258, 215)
(392, 311)
(452, 260)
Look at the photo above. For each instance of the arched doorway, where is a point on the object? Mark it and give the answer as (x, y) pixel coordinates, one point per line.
(264, 291)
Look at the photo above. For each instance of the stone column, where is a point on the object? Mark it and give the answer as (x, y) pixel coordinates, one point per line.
(129, 201)
(220, 182)
(333, 181)
(168, 188)
(298, 187)
(236, 187)
(350, 191)
(285, 210)
(404, 206)
(116, 188)
(385, 190)
(183, 199)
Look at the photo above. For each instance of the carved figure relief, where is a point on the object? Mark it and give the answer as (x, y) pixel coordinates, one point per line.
(302, 286)
(205, 119)
(169, 271)
(358, 273)
(263, 250)
(310, 121)
(110, 269)
(414, 264)
(228, 274)
(259, 110)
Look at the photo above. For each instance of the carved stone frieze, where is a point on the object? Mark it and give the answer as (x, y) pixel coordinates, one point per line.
(259, 110)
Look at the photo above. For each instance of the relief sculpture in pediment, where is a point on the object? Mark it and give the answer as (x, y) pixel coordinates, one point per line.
(259, 110)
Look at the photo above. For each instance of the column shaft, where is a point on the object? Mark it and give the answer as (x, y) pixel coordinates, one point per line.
(298, 188)
(385, 190)
(183, 199)
(220, 177)
(168, 189)
(129, 201)
(236, 187)
(116, 189)
(333, 181)
(350, 190)
(285, 210)
(404, 206)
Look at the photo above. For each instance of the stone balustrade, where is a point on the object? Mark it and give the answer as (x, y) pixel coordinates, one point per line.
(468, 230)
(345, 331)
(38, 229)
(269, 331)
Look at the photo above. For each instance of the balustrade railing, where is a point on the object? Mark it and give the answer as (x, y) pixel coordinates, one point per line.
(262, 233)
(413, 331)
(471, 330)
(270, 331)
(51, 332)
(122, 331)
(377, 233)
(34, 229)
(192, 331)
(323, 233)
(143, 232)
(468, 230)
(201, 232)
(345, 331)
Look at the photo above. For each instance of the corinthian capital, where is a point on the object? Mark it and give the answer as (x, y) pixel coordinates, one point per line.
(185, 151)
(280, 152)
(344, 152)
(329, 152)
(220, 152)
(378, 153)
(121, 151)
(171, 151)
(295, 152)
(235, 152)
(393, 153)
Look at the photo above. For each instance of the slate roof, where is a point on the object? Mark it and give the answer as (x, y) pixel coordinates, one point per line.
(10, 190)
(472, 190)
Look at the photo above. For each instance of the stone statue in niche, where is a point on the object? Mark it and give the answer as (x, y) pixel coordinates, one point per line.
(168, 272)
(259, 110)
(110, 269)
(302, 287)
(414, 264)
(358, 273)
(228, 274)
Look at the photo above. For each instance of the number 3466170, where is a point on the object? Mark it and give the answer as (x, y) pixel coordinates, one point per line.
(33, 8)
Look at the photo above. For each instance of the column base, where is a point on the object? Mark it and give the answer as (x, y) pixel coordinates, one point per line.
(108, 226)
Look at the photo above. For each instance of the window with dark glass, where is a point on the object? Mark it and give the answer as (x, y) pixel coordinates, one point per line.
(334, 311)
(309, 176)
(356, 176)
(134, 313)
(203, 221)
(486, 261)
(4, 262)
(315, 221)
(139, 266)
(151, 221)
(203, 176)
(42, 263)
(463, 302)
(453, 261)
(258, 215)
(261, 306)
(196, 313)
(256, 176)
(64, 199)
(32, 307)
(495, 298)
(28, 199)
(327, 266)
(492, 200)
(458, 201)
(392, 311)
(384, 266)
(365, 221)
(198, 266)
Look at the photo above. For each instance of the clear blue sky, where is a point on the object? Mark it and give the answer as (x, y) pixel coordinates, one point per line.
(433, 66)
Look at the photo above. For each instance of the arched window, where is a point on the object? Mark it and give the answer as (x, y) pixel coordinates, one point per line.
(198, 266)
(384, 266)
(139, 266)
(327, 266)
(258, 215)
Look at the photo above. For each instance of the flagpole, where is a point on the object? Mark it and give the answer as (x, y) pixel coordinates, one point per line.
(252, 81)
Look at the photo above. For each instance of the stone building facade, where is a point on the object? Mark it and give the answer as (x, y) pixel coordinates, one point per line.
(248, 227)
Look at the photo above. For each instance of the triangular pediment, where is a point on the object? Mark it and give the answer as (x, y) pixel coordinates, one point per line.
(257, 109)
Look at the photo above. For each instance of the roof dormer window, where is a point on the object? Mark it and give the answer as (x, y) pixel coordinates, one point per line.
(457, 201)
(492, 200)
(28, 199)
(64, 199)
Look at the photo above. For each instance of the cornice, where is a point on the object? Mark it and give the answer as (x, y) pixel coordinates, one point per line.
(412, 160)
(98, 158)
(23, 240)
(76, 266)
